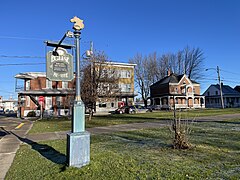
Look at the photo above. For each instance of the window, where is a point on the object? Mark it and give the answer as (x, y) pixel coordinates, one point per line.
(216, 92)
(176, 100)
(125, 87)
(124, 74)
(112, 104)
(102, 105)
(64, 84)
(28, 101)
(48, 104)
(183, 90)
(208, 93)
(58, 100)
(48, 84)
(27, 84)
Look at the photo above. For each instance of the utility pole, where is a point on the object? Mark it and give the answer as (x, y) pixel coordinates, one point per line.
(220, 85)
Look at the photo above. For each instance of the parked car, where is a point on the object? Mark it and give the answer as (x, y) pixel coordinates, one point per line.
(138, 109)
(154, 107)
(11, 112)
(122, 110)
(131, 109)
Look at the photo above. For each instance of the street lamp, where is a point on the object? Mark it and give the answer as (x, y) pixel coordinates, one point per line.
(78, 141)
(220, 84)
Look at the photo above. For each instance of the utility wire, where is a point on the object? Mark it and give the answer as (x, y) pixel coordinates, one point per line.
(22, 38)
(32, 57)
(230, 72)
(22, 64)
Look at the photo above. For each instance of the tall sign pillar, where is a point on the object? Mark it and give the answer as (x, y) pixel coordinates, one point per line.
(78, 141)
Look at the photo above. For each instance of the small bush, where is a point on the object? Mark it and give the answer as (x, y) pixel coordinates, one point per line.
(31, 114)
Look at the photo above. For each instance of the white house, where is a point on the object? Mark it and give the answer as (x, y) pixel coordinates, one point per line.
(231, 97)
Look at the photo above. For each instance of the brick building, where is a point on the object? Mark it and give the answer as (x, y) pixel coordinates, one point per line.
(59, 96)
(176, 90)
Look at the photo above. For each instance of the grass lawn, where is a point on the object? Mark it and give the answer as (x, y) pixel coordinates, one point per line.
(64, 124)
(141, 154)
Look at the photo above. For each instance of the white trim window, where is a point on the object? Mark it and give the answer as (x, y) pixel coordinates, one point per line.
(64, 84)
(58, 100)
(125, 87)
(48, 101)
(124, 74)
(27, 84)
(48, 84)
(27, 101)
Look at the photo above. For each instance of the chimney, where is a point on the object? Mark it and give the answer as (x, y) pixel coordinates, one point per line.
(169, 72)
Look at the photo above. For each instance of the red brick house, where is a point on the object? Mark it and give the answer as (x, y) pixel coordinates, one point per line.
(176, 90)
(57, 95)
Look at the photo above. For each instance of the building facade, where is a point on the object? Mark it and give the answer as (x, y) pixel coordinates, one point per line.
(176, 90)
(124, 87)
(231, 97)
(7, 105)
(59, 96)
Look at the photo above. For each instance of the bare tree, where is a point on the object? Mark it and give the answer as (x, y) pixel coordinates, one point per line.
(99, 80)
(187, 61)
(193, 62)
(145, 73)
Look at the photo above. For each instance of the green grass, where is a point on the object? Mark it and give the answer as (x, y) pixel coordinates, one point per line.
(64, 124)
(141, 154)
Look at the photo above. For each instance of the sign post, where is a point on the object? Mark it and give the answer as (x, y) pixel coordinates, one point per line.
(78, 141)
(41, 101)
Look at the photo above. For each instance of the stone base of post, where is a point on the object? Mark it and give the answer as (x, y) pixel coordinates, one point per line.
(78, 149)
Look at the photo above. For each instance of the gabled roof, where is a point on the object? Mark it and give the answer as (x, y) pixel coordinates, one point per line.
(237, 88)
(226, 89)
(172, 78)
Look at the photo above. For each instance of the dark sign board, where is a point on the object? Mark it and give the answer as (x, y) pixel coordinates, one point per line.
(59, 65)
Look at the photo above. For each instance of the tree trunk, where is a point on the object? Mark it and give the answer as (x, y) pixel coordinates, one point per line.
(145, 103)
(90, 114)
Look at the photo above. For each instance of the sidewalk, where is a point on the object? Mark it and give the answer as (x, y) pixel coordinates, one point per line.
(124, 127)
(96, 130)
(9, 144)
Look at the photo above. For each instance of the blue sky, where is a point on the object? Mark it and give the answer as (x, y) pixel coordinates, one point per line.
(122, 28)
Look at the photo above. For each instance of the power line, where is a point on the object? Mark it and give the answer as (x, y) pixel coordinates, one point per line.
(230, 72)
(32, 57)
(22, 64)
(21, 38)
